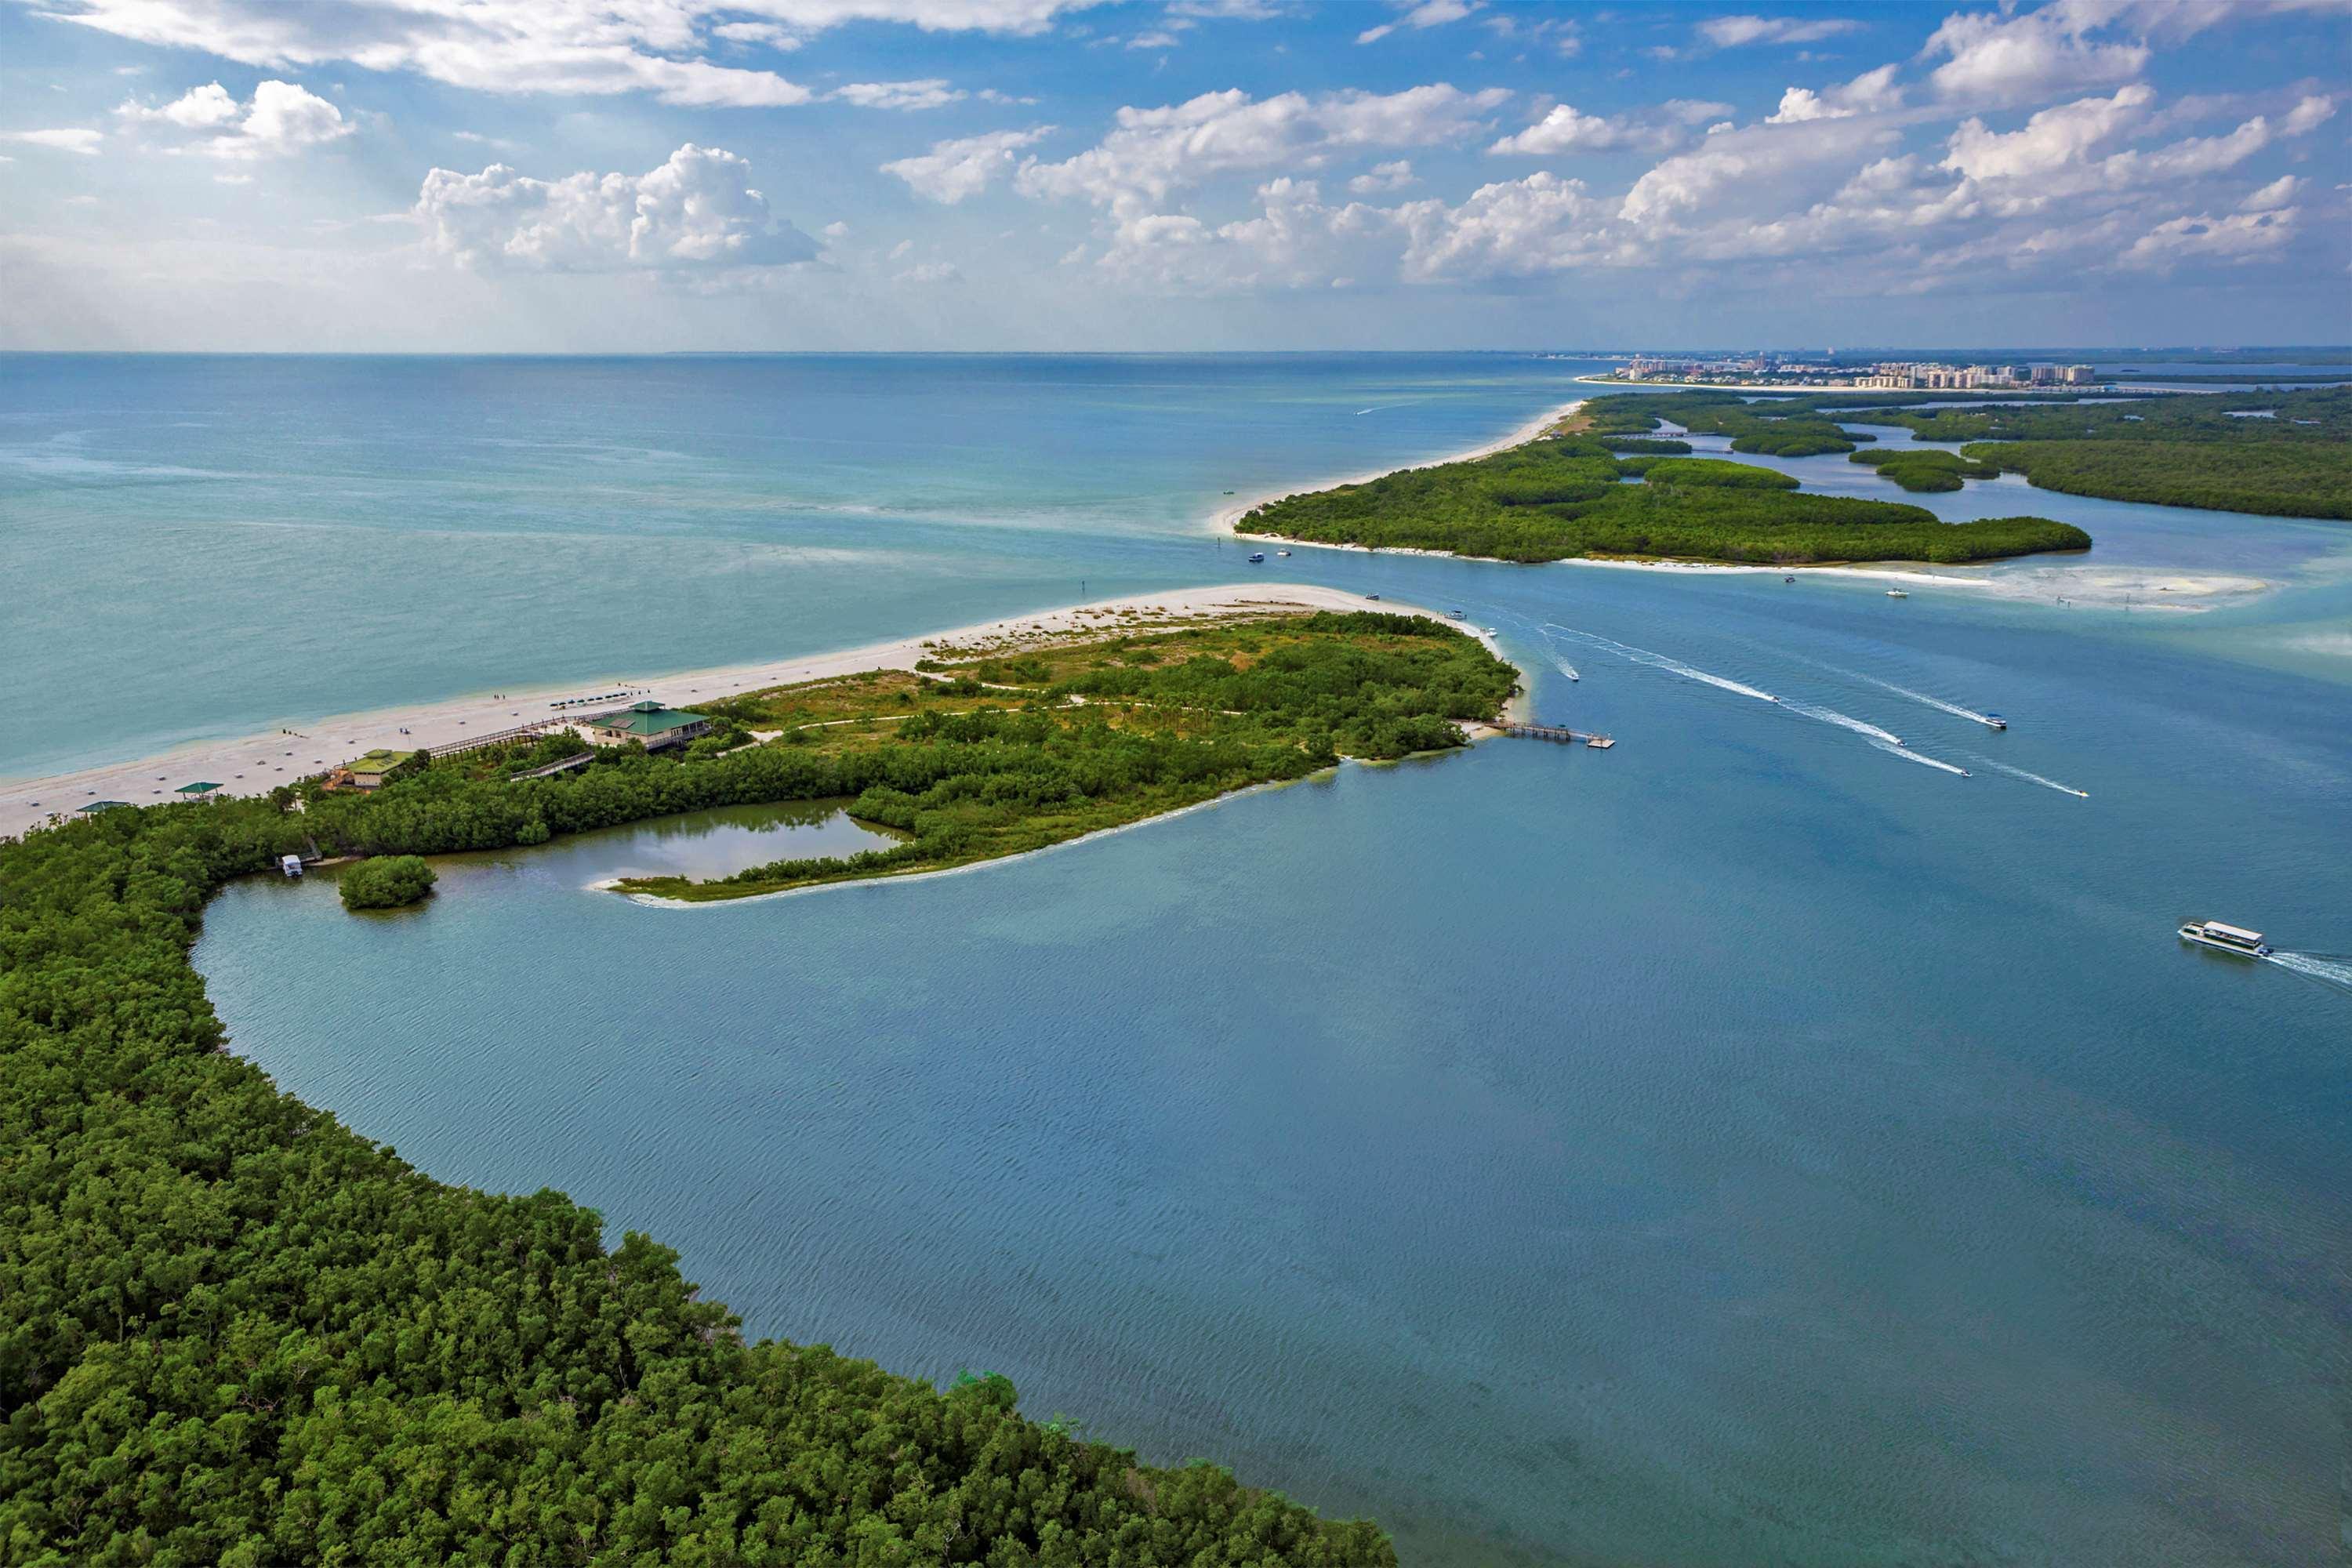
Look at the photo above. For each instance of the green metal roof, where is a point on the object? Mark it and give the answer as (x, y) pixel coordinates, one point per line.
(378, 761)
(648, 719)
(202, 786)
(104, 804)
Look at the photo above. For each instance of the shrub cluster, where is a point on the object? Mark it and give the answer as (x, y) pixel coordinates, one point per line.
(385, 882)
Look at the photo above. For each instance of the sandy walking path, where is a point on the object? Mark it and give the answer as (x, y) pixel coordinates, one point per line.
(253, 764)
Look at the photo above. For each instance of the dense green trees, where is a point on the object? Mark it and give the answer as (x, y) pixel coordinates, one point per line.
(2275, 478)
(1562, 497)
(231, 1332)
(2285, 453)
(385, 882)
(1925, 468)
(1767, 428)
(1670, 471)
(1102, 735)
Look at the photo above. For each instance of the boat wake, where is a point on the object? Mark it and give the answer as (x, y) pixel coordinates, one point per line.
(2035, 778)
(1988, 720)
(1884, 740)
(1567, 669)
(1660, 662)
(1907, 754)
(1844, 722)
(1952, 708)
(2331, 970)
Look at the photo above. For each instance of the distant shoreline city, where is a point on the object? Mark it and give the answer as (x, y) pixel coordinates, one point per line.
(1767, 370)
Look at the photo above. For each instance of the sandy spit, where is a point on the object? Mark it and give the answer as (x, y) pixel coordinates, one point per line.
(253, 764)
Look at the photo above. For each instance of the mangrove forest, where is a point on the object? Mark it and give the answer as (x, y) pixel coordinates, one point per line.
(1567, 495)
(233, 1331)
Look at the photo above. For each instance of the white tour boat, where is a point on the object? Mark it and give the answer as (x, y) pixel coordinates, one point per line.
(2227, 939)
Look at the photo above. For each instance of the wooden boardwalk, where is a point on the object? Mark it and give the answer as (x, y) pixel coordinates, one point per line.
(1559, 733)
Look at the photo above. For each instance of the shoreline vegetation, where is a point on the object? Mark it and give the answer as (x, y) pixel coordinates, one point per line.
(1564, 495)
(241, 1333)
(2285, 453)
(255, 764)
(982, 756)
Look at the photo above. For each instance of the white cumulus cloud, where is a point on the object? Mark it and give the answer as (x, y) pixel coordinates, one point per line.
(1566, 128)
(1393, 176)
(698, 211)
(2050, 140)
(965, 166)
(2014, 59)
(1871, 92)
(2307, 116)
(2238, 238)
(278, 120)
(201, 107)
(1150, 153)
(2279, 193)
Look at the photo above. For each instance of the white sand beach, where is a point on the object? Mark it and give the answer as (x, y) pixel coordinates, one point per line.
(253, 764)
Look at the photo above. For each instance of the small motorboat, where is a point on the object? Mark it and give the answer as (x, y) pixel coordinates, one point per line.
(1282, 553)
(1897, 593)
(1257, 557)
(1375, 598)
(1791, 578)
(1459, 615)
(1995, 721)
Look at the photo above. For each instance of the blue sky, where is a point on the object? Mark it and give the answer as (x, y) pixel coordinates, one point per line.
(659, 174)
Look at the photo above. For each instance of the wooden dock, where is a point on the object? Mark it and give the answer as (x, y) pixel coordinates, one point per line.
(1560, 734)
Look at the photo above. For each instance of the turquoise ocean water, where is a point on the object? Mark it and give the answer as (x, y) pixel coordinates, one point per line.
(1759, 1142)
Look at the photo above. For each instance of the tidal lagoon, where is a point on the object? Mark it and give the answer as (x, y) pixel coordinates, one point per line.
(1793, 1134)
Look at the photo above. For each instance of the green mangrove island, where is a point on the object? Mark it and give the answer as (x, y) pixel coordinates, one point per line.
(2282, 453)
(1566, 494)
(233, 1331)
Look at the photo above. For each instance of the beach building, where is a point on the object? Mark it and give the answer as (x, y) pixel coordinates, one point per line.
(647, 721)
(371, 771)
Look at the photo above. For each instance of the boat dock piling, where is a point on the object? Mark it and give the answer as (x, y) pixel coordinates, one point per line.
(1559, 733)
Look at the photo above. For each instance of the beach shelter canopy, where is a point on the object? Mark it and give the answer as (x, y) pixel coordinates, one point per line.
(202, 786)
(104, 804)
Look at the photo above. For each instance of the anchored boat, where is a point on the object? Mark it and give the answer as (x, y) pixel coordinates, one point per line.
(2225, 938)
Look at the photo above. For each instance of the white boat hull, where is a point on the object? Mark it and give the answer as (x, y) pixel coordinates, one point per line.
(2202, 941)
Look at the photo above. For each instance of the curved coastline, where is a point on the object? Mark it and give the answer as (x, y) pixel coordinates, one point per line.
(286, 757)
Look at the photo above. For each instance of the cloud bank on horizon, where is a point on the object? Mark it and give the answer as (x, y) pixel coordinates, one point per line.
(1067, 173)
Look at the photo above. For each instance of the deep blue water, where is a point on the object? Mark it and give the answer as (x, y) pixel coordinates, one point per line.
(1748, 1144)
